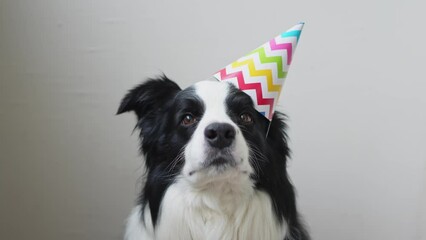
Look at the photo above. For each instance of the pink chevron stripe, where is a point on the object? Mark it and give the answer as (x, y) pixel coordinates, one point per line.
(285, 46)
(243, 86)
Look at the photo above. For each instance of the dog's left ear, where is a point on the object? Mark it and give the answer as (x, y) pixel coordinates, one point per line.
(149, 97)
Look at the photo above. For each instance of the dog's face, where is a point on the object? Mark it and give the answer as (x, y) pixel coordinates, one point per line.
(217, 125)
(204, 133)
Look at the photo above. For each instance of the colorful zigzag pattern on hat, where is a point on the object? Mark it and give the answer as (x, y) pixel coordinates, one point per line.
(262, 72)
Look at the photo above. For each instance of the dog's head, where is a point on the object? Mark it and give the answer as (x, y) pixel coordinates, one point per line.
(207, 133)
(204, 133)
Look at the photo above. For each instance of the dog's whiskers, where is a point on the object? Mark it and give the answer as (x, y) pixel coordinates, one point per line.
(175, 161)
(256, 156)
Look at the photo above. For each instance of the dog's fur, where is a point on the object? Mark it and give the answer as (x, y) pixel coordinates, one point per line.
(204, 185)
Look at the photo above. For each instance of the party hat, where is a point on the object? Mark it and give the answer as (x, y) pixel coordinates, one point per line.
(262, 72)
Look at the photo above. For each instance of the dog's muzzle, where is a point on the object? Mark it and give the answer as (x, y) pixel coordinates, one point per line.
(220, 138)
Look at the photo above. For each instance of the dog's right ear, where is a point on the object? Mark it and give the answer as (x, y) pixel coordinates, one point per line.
(149, 97)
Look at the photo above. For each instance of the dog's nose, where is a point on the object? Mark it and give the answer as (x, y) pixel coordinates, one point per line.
(220, 135)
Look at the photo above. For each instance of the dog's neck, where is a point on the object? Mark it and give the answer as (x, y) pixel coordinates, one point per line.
(228, 209)
(222, 195)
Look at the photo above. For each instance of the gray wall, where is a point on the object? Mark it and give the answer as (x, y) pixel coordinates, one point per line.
(355, 96)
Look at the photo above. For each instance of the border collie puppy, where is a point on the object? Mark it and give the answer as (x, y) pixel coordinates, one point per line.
(211, 172)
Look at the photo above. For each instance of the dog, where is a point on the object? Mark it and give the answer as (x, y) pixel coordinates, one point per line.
(215, 167)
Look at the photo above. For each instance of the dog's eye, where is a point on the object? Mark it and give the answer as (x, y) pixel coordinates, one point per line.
(188, 119)
(246, 118)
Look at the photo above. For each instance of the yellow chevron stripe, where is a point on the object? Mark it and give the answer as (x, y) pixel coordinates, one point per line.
(259, 73)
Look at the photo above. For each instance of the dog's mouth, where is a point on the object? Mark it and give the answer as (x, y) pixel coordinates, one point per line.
(218, 162)
(219, 159)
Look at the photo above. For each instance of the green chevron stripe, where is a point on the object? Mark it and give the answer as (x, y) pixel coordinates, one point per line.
(274, 59)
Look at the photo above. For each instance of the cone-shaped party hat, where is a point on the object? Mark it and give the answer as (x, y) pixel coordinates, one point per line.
(262, 72)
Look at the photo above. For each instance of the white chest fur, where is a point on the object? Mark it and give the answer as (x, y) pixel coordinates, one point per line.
(218, 212)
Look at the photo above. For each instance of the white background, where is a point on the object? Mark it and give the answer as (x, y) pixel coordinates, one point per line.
(355, 96)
